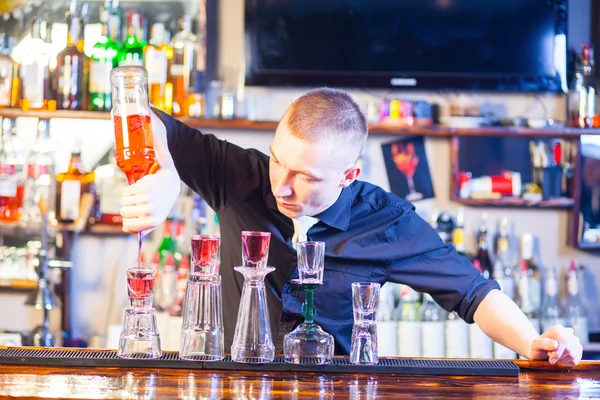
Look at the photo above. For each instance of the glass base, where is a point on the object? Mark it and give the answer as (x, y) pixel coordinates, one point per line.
(306, 343)
(202, 346)
(139, 337)
(255, 354)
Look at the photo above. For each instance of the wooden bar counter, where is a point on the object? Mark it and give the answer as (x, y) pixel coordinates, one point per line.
(537, 380)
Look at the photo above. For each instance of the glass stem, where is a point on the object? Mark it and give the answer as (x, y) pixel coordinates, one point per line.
(309, 303)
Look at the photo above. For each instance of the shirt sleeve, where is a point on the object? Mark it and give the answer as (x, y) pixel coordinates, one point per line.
(421, 260)
(201, 160)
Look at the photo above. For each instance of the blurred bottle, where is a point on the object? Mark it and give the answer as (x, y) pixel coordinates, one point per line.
(459, 234)
(34, 71)
(457, 336)
(183, 270)
(156, 57)
(183, 64)
(114, 22)
(483, 255)
(40, 181)
(9, 73)
(132, 51)
(69, 74)
(12, 174)
(432, 328)
(505, 278)
(552, 312)
(533, 272)
(168, 283)
(409, 324)
(480, 345)
(582, 93)
(526, 294)
(387, 326)
(109, 181)
(102, 61)
(576, 311)
(71, 185)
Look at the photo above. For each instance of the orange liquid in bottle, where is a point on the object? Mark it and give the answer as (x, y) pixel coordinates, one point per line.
(12, 207)
(135, 151)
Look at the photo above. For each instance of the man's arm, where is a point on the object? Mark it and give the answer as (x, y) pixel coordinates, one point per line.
(500, 318)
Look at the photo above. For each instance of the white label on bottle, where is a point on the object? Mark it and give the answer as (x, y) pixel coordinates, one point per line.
(580, 329)
(8, 188)
(480, 345)
(433, 339)
(549, 323)
(100, 76)
(69, 200)
(457, 339)
(6, 76)
(132, 61)
(32, 76)
(156, 64)
(177, 69)
(387, 338)
(409, 339)
(64, 79)
(503, 352)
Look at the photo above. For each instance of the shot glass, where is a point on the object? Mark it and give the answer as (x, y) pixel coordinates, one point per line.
(365, 301)
(204, 255)
(311, 261)
(255, 249)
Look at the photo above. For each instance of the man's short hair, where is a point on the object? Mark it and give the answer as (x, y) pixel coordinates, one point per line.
(328, 114)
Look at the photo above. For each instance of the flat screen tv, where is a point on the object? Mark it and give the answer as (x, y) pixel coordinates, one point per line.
(505, 45)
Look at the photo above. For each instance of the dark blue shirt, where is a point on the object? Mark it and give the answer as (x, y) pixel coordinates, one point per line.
(370, 235)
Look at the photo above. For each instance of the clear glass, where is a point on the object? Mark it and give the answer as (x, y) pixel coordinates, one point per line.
(253, 340)
(139, 337)
(311, 258)
(365, 302)
(204, 254)
(255, 249)
(202, 332)
(308, 340)
(132, 123)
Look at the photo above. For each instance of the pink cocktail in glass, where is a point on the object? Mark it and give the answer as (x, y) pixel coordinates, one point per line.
(255, 248)
(140, 284)
(204, 254)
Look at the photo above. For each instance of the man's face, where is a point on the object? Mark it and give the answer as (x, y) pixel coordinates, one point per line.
(305, 176)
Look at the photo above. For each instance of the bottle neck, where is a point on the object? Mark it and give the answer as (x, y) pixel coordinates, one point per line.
(75, 163)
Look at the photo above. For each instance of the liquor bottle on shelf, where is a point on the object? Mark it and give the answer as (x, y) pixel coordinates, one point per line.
(40, 181)
(582, 93)
(527, 289)
(459, 234)
(183, 64)
(167, 245)
(132, 51)
(483, 255)
(71, 185)
(480, 345)
(114, 21)
(576, 311)
(12, 174)
(409, 324)
(457, 336)
(156, 57)
(432, 328)
(109, 181)
(34, 72)
(552, 312)
(69, 66)
(9, 73)
(102, 60)
(502, 248)
(533, 271)
(176, 308)
(168, 281)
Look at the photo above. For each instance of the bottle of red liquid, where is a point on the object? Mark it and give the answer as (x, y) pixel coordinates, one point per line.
(12, 174)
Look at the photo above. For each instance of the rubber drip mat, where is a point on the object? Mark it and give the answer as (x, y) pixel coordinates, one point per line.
(109, 358)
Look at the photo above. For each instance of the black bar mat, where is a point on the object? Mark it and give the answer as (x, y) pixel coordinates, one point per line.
(109, 358)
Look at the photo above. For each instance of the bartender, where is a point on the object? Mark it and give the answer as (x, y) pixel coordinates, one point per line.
(307, 189)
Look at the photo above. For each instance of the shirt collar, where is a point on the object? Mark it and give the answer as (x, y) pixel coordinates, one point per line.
(338, 214)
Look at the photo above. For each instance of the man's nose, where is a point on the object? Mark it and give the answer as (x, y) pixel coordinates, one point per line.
(283, 186)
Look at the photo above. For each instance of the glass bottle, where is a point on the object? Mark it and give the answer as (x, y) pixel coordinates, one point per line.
(132, 51)
(12, 174)
(69, 74)
(40, 181)
(71, 185)
(576, 311)
(552, 312)
(526, 295)
(34, 71)
(109, 181)
(483, 255)
(102, 60)
(459, 234)
(183, 270)
(156, 57)
(582, 93)
(432, 328)
(457, 336)
(533, 271)
(409, 324)
(9, 73)
(183, 64)
(114, 21)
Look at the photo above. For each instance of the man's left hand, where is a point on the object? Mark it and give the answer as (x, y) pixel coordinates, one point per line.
(557, 344)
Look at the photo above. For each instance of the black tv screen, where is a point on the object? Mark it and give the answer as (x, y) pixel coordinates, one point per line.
(510, 45)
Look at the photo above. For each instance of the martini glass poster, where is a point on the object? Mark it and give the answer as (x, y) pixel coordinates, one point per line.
(407, 169)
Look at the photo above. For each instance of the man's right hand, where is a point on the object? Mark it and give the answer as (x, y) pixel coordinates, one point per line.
(147, 203)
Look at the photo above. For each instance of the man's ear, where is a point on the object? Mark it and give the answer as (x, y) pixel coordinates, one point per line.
(350, 175)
